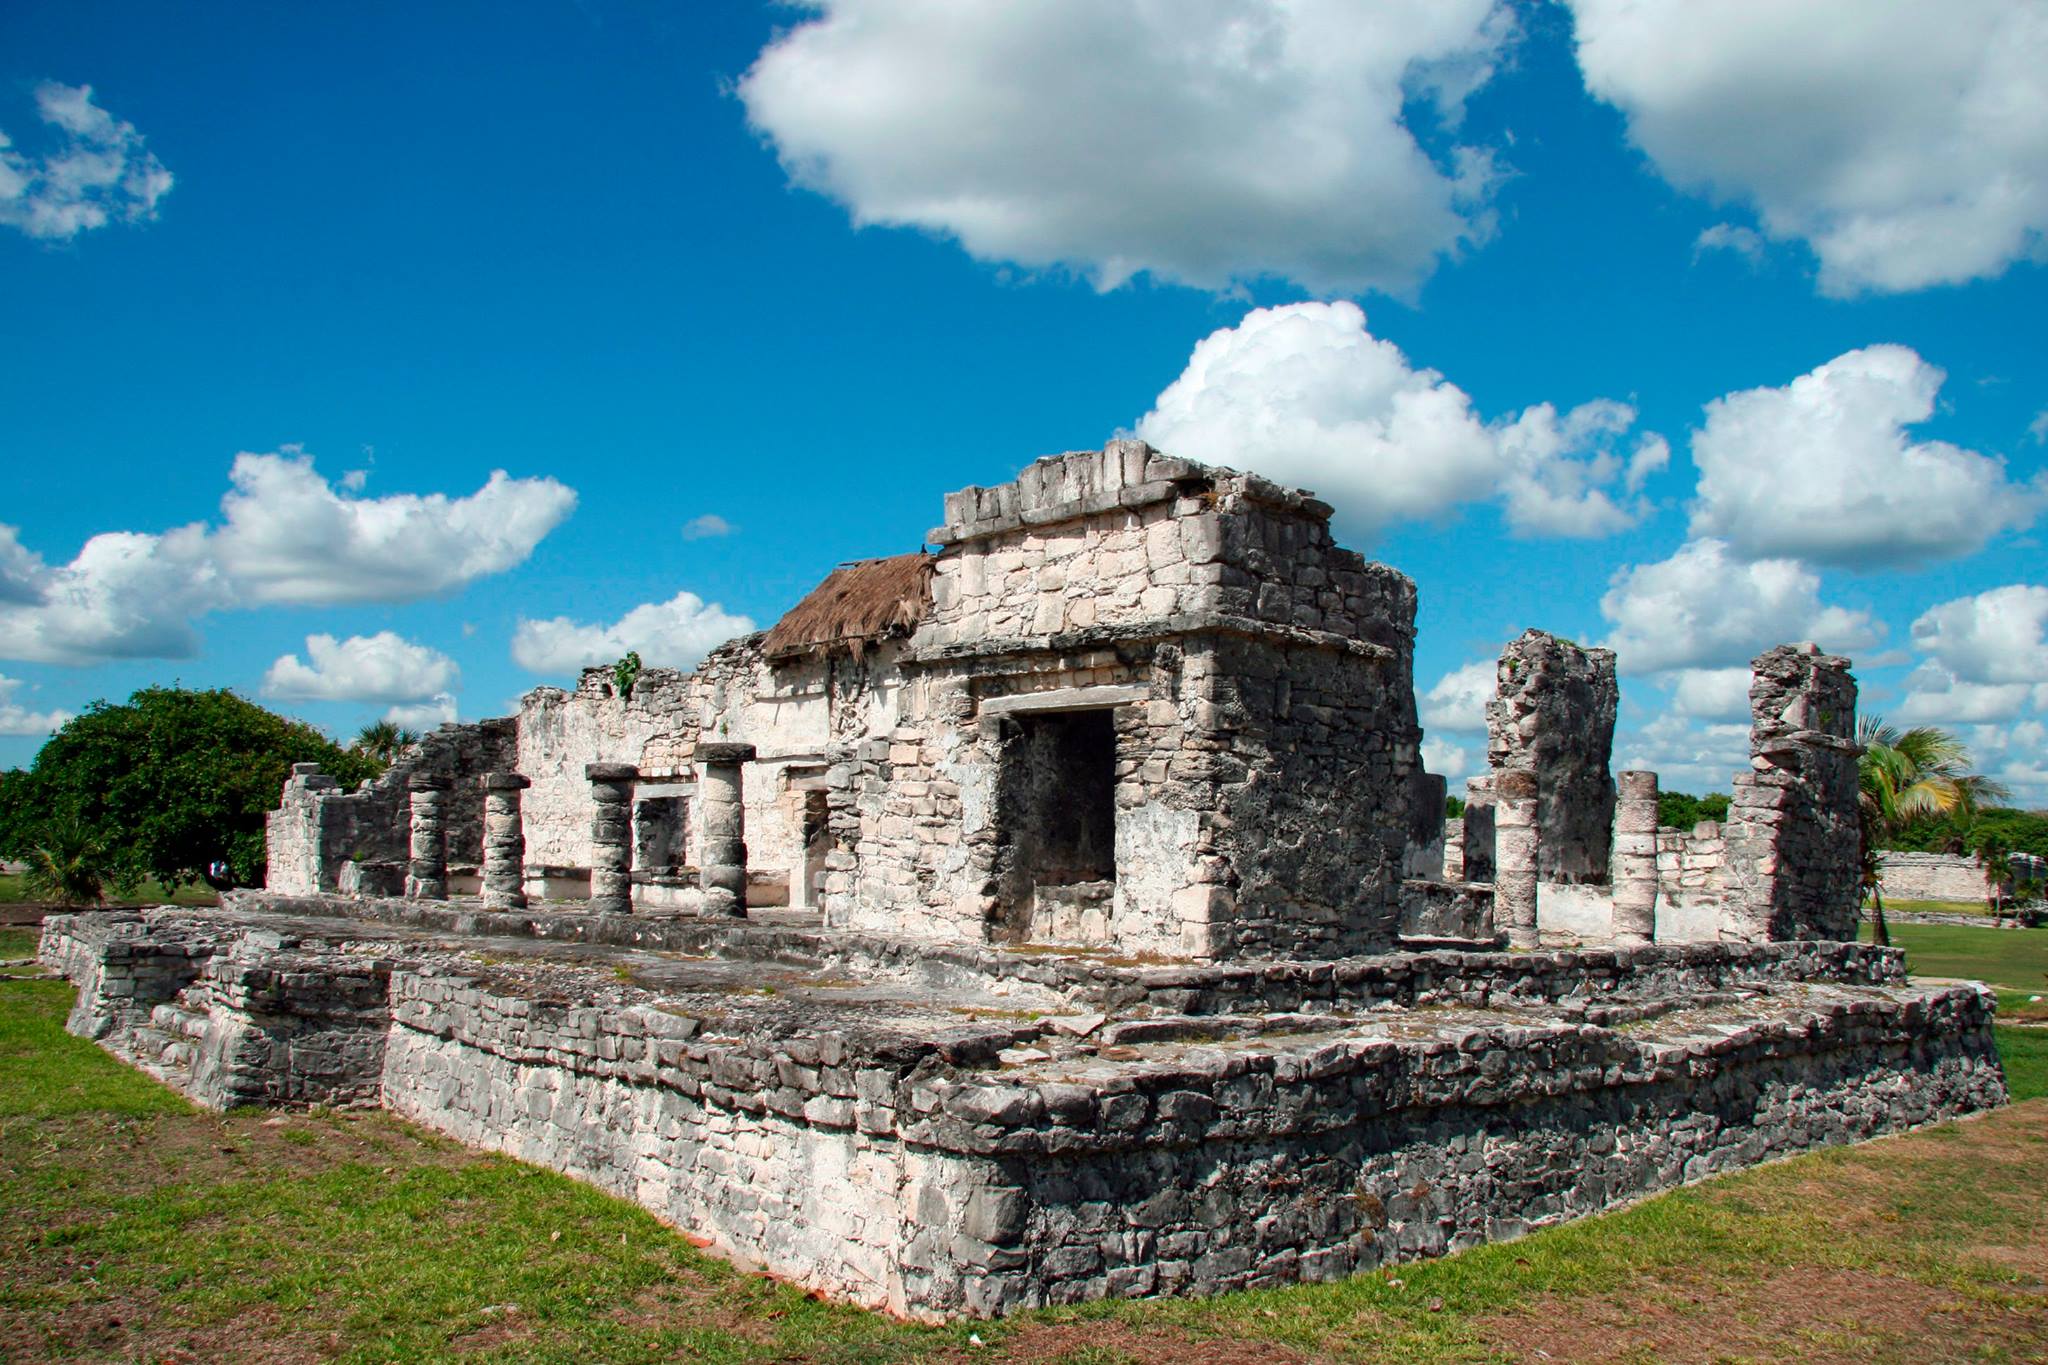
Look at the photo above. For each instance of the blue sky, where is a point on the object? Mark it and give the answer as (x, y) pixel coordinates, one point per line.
(732, 293)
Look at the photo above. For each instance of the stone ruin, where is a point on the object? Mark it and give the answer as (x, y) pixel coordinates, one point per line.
(1064, 912)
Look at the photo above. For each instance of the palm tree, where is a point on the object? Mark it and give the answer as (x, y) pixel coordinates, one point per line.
(1994, 855)
(67, 865)
(1907, 775)
(384, 741)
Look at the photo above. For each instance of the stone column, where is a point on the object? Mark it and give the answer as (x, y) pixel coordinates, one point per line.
(504, 840)
(1515, 850)
(1478, 846)
(722, 864)
(426, 877)
(611, 837)
(1635, 858)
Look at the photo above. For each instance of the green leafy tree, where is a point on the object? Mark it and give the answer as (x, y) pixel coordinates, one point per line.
(1909, 775)
(168, 782)
(1682, 810)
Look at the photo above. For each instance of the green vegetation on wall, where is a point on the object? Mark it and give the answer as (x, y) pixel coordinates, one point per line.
(1683, 810)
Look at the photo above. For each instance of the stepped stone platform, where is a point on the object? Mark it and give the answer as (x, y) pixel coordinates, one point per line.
(961, 1129)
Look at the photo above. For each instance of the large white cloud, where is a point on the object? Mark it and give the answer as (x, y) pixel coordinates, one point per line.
(383, 667)
(1448, 760)
(1457, 700)
(1705, 608)
(1935, 696)
(291, 537)
(17, 719)
(287, 537)
(1822, 469)
(1996, 637)
(1712, 693)
(97, 172)
(436, 710)
(1201, 140)
(1685, 754)
(1306, 395)
(1907, 142)
(671, 634)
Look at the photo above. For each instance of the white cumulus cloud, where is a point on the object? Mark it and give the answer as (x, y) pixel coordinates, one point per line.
(1705, 608)
(1204, 141)
(1998, 637)
(1822, 469)
(17, 719)
(291, 537)
(1906, 142)
(382, 667)
(97, 172)
(1712, 693)
(1936, 696)
(436, 710)
(1447, 760)
(671, 634)
(1306, 395)
(1686, 754)
(287, 536)
(1457, 700)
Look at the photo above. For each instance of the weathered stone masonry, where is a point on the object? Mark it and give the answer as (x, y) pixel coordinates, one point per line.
(1033, 919)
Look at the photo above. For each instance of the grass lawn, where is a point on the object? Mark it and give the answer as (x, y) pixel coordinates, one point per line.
(1939, 907)
(2010, 959)
(14, 891)
(135, 1227)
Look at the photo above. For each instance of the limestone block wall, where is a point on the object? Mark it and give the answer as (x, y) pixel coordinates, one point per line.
(318, 828)
(1266, 745)
(791, 712)
(1692, 890)
(1792, 860)
(1553, 713)
(1932, 877)
(940, 1171)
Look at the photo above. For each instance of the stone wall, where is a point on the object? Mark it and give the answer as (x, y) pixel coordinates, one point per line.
(1553, 713)
(1793, 856)
(1692, 890)
(935, 1166)
(318, 829)
(1932, 877)
(1266, 746)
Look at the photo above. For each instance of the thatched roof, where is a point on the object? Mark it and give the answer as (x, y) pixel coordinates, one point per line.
(857, 604)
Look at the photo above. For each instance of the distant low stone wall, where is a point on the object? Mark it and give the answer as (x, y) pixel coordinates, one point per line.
(1932, 877)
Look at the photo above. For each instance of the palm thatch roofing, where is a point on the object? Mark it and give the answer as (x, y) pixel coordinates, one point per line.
(857, 605)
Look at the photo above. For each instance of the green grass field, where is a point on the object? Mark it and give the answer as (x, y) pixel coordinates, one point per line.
(133, 1226)
(2013, 960)
(14, 891)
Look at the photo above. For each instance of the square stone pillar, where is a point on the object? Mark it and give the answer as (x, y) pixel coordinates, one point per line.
(723, 862)
(426, 875)
(504, 840)
(1515, 850)
(1634, 870)
(611, 837)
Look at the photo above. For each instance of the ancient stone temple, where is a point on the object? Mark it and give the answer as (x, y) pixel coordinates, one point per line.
(1060, 909)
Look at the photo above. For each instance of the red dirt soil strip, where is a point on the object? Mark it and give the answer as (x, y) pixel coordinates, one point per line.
(1047, 1343)
(1830, 1317)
